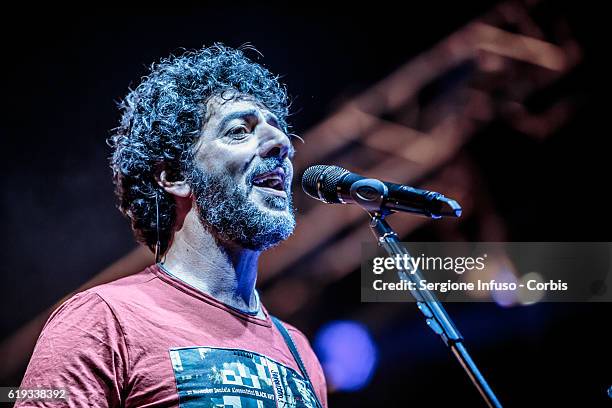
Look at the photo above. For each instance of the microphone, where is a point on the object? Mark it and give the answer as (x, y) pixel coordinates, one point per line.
(333, 185)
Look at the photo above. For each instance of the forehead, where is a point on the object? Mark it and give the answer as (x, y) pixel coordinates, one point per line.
(219, 109)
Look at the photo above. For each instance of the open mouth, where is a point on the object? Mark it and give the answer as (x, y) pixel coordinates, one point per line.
(271, 182)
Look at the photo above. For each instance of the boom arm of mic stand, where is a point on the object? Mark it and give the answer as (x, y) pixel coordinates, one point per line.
(435, 314)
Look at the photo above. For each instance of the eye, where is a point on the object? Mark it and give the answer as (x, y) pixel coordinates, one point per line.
(238, 132)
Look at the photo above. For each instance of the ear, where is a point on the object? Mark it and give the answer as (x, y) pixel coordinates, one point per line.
(178, 188)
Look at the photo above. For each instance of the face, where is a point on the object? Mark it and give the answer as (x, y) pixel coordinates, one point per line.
(241, 178)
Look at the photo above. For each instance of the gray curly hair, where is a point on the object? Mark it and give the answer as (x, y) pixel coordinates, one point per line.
(162, 119)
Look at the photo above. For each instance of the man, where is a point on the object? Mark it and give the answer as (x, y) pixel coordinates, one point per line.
(202, 168)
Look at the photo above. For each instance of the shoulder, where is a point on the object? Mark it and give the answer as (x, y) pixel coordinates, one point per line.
(112, 298)
(126, 287)
(315, 371)
(306, 351)
(301, 342)
(81, 306)
(83, 315)
(94, 308)
(81, 349)
(305, 348)
(297, 335)
(82, 332)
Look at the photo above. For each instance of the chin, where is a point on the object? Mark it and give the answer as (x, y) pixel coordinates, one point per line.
(268, 239)
(272, 203)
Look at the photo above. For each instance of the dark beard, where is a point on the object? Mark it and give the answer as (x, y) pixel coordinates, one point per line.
(226, 208)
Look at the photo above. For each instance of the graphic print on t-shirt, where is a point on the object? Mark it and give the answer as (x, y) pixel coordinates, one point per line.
(233, 378)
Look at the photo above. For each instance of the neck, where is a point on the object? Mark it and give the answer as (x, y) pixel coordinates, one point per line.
(222, 270)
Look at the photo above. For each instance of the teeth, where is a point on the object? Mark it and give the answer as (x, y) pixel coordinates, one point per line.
(272, 181)
(269, 178)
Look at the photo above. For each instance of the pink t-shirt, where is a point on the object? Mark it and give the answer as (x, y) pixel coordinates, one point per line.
(150, 340)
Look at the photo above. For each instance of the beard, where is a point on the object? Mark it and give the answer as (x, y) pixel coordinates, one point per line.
(226, 207)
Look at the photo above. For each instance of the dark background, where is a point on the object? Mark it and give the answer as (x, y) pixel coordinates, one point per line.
(62, 76)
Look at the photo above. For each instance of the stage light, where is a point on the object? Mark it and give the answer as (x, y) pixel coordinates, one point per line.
(347, 353)
(530, 296)
(505, 298)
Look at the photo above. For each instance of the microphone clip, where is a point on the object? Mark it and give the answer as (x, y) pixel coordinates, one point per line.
(370, 194)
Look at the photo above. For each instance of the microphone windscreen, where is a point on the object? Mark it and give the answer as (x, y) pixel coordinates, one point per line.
(320, 182)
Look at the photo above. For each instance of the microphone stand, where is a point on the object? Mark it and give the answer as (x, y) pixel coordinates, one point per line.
(435, 315)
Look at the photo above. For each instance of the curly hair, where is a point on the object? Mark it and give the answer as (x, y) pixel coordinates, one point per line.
(161, 122)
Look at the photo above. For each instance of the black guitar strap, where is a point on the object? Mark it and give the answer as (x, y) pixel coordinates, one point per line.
(296, 356)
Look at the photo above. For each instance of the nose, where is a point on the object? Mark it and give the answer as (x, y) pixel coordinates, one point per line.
(274, 142)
